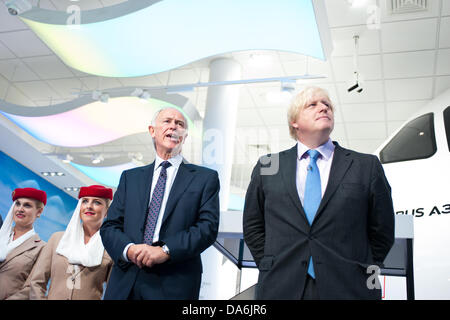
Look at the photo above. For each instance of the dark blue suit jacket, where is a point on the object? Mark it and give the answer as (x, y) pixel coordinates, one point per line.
(190, 225)
(353, 228)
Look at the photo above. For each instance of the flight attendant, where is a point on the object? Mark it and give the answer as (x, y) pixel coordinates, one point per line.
(20, 245)
(75, 260)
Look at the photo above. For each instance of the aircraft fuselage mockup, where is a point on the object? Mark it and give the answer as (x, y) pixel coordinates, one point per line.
(416, 160)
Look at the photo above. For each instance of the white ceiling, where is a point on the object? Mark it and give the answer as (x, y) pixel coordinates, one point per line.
(404, 61)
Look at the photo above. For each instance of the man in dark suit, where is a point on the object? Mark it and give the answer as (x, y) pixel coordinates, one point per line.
(317, 216)
(156, 241)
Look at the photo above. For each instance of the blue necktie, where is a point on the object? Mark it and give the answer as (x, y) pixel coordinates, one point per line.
(313, 195)
(155, 204)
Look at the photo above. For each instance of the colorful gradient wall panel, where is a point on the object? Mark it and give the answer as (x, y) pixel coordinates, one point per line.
(168, 34)
(94, 123)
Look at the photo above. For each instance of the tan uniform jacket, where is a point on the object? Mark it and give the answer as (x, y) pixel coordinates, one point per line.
(17, 266)
(67, 281)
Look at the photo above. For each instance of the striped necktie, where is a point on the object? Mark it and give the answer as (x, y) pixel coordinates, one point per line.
(155, 203)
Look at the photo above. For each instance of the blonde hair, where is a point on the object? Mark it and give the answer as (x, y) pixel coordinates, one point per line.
(39, 204)
(299, 102)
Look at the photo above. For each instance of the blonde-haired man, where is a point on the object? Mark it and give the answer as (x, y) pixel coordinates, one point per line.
(316, 225)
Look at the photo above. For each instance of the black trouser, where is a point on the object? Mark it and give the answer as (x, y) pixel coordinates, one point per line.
(146, 287)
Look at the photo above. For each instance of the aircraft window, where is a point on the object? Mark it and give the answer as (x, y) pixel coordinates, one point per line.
(416, 140)
(447, 125)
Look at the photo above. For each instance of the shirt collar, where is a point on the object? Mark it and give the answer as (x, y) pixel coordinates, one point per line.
(326, 150)
(174, 161)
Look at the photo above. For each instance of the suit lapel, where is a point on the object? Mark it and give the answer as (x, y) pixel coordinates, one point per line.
(288, 167)
(341, 163)
(182, 180)
(145, 183)
(27, 245)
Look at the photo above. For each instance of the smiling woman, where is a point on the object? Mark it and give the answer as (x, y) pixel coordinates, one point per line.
(20, 246)
(75, 260)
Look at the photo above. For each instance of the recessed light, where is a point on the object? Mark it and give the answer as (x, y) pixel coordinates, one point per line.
(53, 174)
(71, 188)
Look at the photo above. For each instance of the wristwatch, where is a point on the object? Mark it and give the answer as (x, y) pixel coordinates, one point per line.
(166, 250)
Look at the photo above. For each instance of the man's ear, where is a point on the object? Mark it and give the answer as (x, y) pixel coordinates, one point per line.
(151, 129)
(294, 125)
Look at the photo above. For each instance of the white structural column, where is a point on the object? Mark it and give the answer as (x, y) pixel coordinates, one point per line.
(219, 124)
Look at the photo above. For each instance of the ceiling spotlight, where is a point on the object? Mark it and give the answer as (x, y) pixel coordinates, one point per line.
(356, 81)
(67, 159)
(137, 92)
(97, 159)
(100, 96)
(96, 95)
(104, 97)
(140, 93)
(356, 87)
(135, 156)
(16, 7)
(288, 85)
(146, 95)
(357, 84)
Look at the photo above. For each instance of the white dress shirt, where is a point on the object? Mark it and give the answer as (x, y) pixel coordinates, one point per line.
(171, 174)
(326, 151)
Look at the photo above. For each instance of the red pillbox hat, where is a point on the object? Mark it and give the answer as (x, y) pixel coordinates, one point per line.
(30, 193)
(96, 191)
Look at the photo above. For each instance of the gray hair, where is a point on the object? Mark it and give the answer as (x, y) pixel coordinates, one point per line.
(155, 116)
(166, 108)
